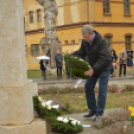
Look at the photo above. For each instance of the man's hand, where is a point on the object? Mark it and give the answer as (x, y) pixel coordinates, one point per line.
(89, 73)
(59, 61)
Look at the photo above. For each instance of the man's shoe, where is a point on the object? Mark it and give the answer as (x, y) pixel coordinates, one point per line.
(97, 118)
(91, 113)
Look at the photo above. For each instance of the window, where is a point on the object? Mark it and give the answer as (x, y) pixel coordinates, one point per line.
(73, 42)
(35, 49)
(66, 42)
(80, 41)
(128, 43)
(24, 23)
(26, 50)
(126, 7)
(105, 6)
(39, 15)
(108, 41)
(31, 16)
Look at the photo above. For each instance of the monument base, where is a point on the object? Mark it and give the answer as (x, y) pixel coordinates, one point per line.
(17, 102)
(37, 126)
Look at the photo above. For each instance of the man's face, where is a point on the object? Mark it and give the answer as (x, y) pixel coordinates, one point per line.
(58, 51)
(88, 37)
(123, 50)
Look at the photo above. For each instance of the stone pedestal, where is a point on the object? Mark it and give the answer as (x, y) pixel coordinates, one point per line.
(16, 92)
(16, 104)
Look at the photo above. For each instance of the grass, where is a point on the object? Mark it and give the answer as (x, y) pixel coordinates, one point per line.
(77, 102)
(117, 71)
(34, 74)
(37, 74)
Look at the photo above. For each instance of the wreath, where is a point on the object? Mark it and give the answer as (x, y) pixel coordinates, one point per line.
(78, 66)
(58, 123)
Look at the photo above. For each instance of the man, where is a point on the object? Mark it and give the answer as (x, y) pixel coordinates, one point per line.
(95, 47)
(58, 59)
(67, 68)
(123, 61)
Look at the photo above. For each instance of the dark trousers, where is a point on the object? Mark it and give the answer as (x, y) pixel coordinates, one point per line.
(44, 73)
(59, 71)
(121, 69)
(68, 71)
(73, 77)
(90, 94)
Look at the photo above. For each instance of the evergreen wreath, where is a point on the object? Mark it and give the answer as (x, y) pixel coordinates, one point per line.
(58, 123)
(77, 65)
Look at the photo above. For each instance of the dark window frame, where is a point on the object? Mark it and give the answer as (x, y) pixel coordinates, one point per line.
(109, 42)
(126, 7)
(24, 23)
(128, 42)
(39, 15)
(26, 50)
(66, 42)
(73, 42)
(35, 49)
(80, 41)
(106, 6)
(31, 17)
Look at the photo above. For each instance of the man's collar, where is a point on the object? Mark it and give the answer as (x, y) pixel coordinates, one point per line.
(94, 36)
(92, 40)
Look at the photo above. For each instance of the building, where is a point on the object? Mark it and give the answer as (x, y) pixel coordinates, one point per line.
(114, 19)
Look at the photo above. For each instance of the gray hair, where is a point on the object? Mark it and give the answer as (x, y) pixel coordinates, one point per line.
(87, 29)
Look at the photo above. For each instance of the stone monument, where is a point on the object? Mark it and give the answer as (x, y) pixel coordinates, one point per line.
(50, 43)
(16, 91)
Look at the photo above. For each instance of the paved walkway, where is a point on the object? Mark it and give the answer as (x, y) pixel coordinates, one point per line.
(64, 82)
(64, 79)
(87, 121)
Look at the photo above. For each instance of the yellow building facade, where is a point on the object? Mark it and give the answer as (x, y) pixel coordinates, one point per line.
(113, 19)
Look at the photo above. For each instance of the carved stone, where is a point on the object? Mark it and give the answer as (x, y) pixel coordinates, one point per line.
(50, 43)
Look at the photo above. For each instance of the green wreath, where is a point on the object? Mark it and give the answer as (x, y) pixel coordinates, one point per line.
(78, 66)
(51, 116)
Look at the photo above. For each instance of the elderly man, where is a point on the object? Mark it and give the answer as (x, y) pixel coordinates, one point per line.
(123, 61)
(95, 47)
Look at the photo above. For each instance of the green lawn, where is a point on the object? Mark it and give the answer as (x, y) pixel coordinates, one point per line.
(77, 103)
(117, 71)
(37, 74)
(34, 74)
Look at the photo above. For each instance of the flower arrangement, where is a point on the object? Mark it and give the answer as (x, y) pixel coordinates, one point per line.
(131, 117)
(78, 66)
(58, 123)
(65, 125)
(43, 108)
